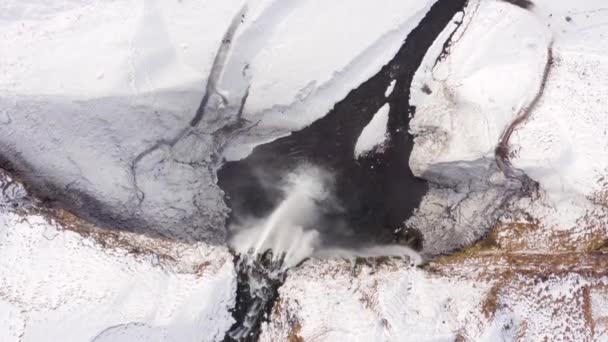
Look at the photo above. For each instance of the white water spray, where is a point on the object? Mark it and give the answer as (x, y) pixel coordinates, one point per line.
(289, 231)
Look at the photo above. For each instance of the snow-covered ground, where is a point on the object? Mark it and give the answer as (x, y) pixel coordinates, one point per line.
(388, 301)
(341, 301)
(564, 144)
(75, 282)
(495, 72)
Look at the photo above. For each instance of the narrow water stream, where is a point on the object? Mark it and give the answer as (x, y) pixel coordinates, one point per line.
(259, 280)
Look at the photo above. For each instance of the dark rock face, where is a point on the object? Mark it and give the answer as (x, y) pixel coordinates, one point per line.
(377, 192)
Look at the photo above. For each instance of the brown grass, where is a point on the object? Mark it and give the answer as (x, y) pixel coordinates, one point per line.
(294, 333)
(490, 303)
(600, 198)
(460, 337)
(530, 251)
(277, 308)
(109, 239)
(587, 312)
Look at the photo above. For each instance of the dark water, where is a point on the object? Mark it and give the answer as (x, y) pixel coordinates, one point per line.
(379, 192)
(258, 283)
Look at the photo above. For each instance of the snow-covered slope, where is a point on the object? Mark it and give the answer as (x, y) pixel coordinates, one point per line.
(514, 79)
(479, 88)
(92, 86)
(564, 143)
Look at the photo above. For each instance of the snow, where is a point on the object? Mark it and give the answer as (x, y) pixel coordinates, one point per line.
(85, 87)
(62, 285)
(480, 88)
(336, 301)
(564, 143)
(599, 303)
(118, 83)
(374, 134)
(117, 47)
(553, 309)
(300, 54)
(303, 69)
(385, 300)
(389, 89)
(68, 288)
(99, 83)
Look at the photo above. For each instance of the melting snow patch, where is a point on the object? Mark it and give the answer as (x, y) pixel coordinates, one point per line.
(374, 134)
(389, 89)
